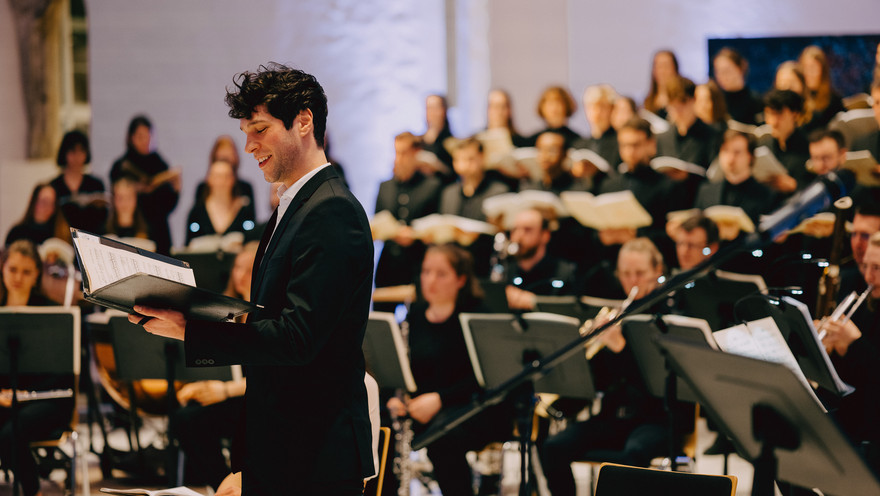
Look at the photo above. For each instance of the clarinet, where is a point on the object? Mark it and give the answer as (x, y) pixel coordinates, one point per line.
(403, 436)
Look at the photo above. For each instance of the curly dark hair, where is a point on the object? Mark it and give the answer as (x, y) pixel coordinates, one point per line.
(284, 91)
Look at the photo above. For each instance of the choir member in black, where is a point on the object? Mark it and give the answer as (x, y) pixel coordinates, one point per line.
(689, 138)
(438, 131)
(624, 110)
(20, 270)
(570, 237)
(222, 208)
(866, 222)
(630, 428)
(555, 107)
(654, 191)
(126, 219)
(500, 136)
(442, 369)
(854, 348)
(824, 102)
(159, 187)
(42, 220)
(225, 149)
(74, 189)
(782, 109)
(598, 106)
(789, 76)
(729, 70)
(535, 272)
(664, 69)
(408, 195)
(696, 239)
(210, 409)
(738, 188)
(871, 141)
(464, 198)
(710, 106)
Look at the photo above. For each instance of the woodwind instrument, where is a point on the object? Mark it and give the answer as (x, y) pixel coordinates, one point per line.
(594, 345)
(403, 435)
(829, 281)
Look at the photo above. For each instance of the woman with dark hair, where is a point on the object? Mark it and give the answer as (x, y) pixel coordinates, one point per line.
(442, 369)
(20, 270)
(158, 186)
(730, 69)
(820, 96)
(555, 107)
(41, 220)
(221, 208)
(664, 69)
(500, 136)
(79, 195)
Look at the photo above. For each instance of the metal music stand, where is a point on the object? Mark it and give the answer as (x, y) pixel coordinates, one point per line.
(37, 341)
(385, 353)
(499, 345)
(773, 421)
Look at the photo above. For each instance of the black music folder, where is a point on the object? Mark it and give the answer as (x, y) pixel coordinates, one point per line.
(120, 276)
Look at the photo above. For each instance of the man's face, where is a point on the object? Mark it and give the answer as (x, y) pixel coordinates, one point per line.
(276, 148)
(468, 162)
(528, 233)
(863, 226)
(691, 247)
(635, 147)
(871, 269)
(735, 160)
(551, 151)
(404, 159)
(825, 156)
(782, 122)
(598, 113)
(681, 112)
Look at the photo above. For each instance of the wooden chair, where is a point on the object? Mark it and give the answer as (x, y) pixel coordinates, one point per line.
(622, 479)
(384, 442)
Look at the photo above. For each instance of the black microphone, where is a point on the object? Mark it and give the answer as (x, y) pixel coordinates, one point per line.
(818, 196)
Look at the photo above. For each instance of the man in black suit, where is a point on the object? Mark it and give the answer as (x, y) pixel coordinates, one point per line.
(306, 422)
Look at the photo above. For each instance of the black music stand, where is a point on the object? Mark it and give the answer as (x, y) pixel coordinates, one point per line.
(141, 355)
(713, 296)
(500, 344)
(640, 332)
(385, 353)
(211, 270)
(773, 421)
(796, 325)
(36, 340)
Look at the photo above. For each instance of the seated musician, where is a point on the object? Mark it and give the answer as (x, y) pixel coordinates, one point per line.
(20, 269)
(535, 271)
(442, 369)
(630, 428)
(159, 187)
(854, 348)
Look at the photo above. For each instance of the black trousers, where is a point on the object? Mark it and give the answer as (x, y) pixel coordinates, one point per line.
(200, 430)
(37, 420)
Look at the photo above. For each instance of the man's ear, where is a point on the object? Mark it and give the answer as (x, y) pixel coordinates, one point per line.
(306, 122)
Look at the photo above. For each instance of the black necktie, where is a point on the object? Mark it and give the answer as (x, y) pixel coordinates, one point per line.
(264, 241)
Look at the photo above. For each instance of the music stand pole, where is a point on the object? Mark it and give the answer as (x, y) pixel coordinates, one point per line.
(14, 346)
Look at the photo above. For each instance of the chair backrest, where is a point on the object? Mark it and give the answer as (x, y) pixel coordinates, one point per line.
(384, 441)
(622, 479)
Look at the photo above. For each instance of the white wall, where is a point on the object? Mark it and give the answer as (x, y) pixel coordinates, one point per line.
(173, 60)
(13, 138)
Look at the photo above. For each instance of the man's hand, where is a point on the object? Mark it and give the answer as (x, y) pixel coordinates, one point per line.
(839, 336)
(520, 299)
(161, 322)
(203, 392)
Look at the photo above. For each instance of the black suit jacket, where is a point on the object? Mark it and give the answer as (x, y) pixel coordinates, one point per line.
(306, 417)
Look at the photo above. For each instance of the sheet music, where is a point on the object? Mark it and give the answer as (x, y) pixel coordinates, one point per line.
(762, 340)
(105, 264)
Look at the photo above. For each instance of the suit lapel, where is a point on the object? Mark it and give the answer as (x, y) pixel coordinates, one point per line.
(302, 196)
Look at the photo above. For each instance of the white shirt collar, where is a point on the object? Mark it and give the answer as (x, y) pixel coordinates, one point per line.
(286, 195)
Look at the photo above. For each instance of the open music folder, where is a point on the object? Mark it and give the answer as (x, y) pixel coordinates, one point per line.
(120, 276)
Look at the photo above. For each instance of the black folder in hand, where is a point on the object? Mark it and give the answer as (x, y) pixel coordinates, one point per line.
(118, 275)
